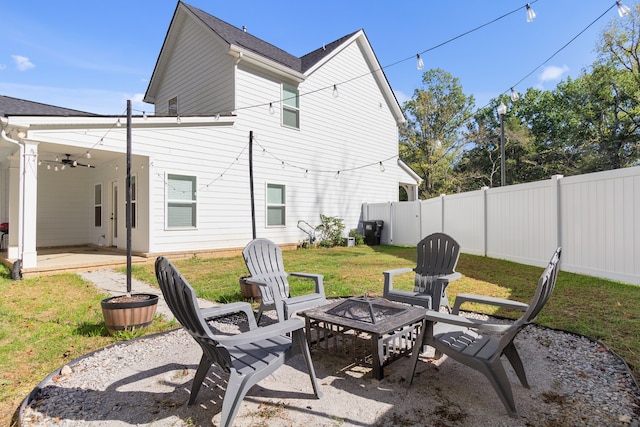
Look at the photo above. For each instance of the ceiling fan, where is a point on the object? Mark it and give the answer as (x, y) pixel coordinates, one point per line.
(74, 163)
(66, 161)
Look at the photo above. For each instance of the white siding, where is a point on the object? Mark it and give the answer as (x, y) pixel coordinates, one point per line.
(199, 72)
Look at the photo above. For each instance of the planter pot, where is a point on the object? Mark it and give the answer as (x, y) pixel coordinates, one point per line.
(248, 290)
(129, 312)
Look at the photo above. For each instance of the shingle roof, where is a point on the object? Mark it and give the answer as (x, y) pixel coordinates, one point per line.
(20, 107)
(236, 36)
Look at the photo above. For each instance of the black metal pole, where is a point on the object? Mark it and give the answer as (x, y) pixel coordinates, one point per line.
(253, 202)
(128, 191)
(502, 155)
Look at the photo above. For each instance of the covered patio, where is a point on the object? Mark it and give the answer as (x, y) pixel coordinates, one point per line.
(72, 259)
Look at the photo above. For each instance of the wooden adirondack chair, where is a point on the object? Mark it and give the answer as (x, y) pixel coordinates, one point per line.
(438, 255)
(247, 357)
(479, 344)
(264, 262)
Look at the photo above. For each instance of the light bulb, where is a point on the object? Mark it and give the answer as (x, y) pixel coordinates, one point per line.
(283, 164)
(381, 167)
(337, 175)
(56, 169)
(49, 167)
(63, 166)
(217, 117)
(514, 95)
(75, 163)
(271, 110)
(622, 9)
(88, 155)
(178, 119)
(144, 115)
(118, 124)
(531, 15)
(420, 63)
(502, 109)
(306, 173)
(335, 91)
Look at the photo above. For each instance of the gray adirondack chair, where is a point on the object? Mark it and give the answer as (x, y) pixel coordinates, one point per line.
(438, 255)
(247, 357)
(479, 344)
(264, 262)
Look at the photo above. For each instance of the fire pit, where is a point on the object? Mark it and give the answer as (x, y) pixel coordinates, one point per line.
(365, 309)
(373, 331)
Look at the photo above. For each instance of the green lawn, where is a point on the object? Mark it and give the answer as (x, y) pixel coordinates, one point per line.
(46, 322)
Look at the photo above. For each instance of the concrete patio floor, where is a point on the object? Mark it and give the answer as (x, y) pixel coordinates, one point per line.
(73, 259)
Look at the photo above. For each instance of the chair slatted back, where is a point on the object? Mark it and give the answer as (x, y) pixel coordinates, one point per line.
(264, 260)
(438, 255)
(544, 289)
(183, 302)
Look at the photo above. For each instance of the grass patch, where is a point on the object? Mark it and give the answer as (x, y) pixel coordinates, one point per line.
(48, 321)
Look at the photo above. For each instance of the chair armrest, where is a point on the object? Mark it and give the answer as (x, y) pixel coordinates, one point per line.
(262, 333)
(317, 278)
(389, 275)
(478, 325)
(226, 309)
(450, 277)
(482, 299)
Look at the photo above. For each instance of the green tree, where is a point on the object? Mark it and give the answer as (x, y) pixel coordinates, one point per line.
(431, 140)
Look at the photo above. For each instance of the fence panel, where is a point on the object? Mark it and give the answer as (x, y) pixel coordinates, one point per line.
(600, 226)
(594, 217)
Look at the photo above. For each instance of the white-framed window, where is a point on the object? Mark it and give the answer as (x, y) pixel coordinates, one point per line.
(276, 205)
(172, 108)
(134, 201)
(181, 201)
(97, 205)
(290, 106)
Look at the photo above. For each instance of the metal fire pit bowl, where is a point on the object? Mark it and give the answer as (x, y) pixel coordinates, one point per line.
(365, 309)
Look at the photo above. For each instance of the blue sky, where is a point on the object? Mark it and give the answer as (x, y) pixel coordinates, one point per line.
(93, 56)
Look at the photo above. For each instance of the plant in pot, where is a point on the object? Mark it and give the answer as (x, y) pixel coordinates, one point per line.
(130, 311)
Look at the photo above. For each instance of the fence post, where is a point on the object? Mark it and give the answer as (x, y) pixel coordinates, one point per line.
(485, 226)
(556, 209)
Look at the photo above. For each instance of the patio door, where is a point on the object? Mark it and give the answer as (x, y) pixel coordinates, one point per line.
(115, 207)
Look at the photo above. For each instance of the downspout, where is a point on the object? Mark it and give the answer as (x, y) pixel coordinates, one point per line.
(4, 137)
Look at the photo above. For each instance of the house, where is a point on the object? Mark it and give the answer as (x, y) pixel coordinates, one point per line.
(319, 131)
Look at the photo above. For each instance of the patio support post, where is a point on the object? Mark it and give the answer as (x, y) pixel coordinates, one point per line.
(128, 195)
(502, 110)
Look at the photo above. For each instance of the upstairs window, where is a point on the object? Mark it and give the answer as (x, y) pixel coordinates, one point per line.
(172, 109)
(290, 106)
(276, 205)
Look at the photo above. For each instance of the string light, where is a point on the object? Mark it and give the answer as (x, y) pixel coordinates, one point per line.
(531, 15)
(118, 124)
(271, 110)
(144, 115)
(514, 95)
(381, 167)
(337, 175)
(623, 10)
(178, 119)
(335, 91)
(420, 63)
(306, 173)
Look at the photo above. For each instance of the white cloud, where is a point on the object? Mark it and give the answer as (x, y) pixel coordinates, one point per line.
(552, 73)
(22, 62)
(401, 97)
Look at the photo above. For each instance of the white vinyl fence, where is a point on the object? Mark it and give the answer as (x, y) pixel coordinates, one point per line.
(594, 217)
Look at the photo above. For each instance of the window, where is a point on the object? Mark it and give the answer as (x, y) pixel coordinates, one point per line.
(276, 204)
(173, 107)
(97, 205)
(181, 201)
(290, 107)
(134, 201)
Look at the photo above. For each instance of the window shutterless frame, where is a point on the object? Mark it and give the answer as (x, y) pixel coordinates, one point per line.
(181, 201)
(276, 205)
(290, 106)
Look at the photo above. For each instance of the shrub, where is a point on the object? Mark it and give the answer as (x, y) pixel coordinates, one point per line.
(331, 231)
(359, 238)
